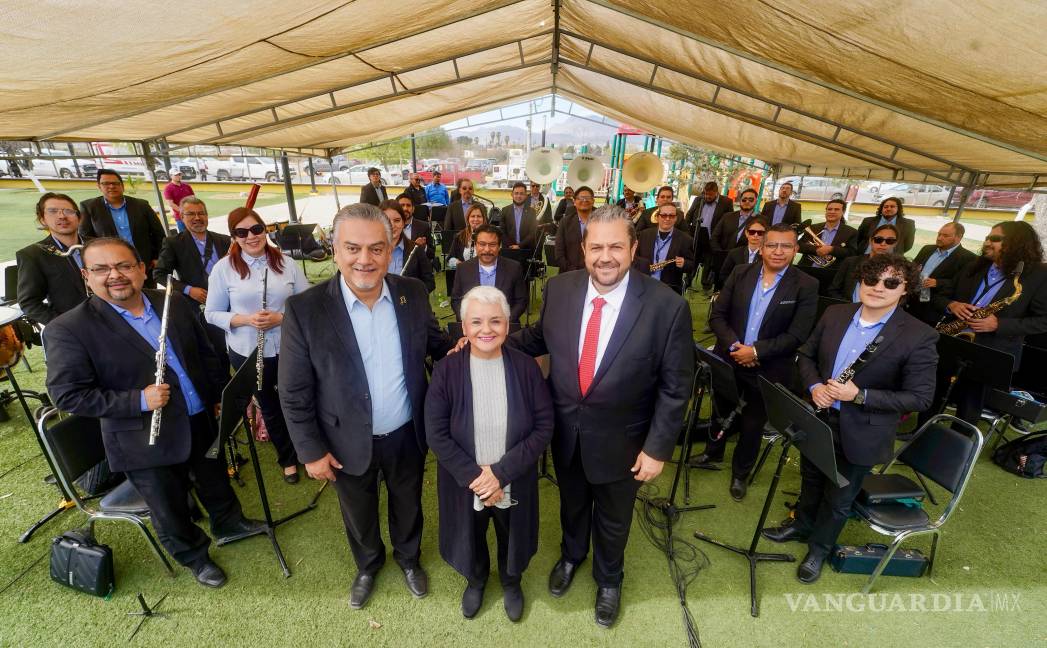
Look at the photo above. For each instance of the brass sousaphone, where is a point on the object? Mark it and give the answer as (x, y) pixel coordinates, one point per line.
(642, 172)
(585, 170)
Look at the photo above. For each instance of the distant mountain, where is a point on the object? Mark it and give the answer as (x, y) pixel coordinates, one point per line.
(572, 131)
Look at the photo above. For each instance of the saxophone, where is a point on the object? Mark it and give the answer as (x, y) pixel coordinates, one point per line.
(959, 327)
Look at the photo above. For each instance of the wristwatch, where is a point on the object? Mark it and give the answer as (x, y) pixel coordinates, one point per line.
(859, 399)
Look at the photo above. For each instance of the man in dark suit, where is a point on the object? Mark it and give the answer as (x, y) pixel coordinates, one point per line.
(456, 211)
(729, 232)
(352, 386)
(407, 259)
(566, 205)
(101, 364)
(50, 284)
(764, 312)
(890, 212)
(784, 209)
(987, 280)
(373, 193)
(538, 204)
(132, 219)
(191, 253)
(667, 243)
(863, 412)
(844, 284)
(705, 212)
(939, 266)
(520, 221)
(489, 269)
(419, 231)
(840, 241)
(569, 234)
(621, 366)
(647, 219)
(755, 230)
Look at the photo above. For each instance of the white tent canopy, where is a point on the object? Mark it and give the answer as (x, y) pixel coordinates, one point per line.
(874, 89)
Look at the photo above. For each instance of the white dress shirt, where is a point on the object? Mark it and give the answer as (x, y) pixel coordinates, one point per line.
(608, 317)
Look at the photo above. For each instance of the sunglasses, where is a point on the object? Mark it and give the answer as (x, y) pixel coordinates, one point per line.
(994, 238)
(890, 283)
(880, 240)
(755, 232)
(242, 232)
(748, 199)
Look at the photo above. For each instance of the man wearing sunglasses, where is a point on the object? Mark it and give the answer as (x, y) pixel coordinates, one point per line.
(863, 412)
(49, 284)
(844, 286)
(667, 243)
(764, 312)
(840, 242)
(729, 232)
(754, 233)
(664, 197)
(890, 212)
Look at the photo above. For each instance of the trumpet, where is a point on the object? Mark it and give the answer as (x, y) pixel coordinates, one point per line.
(820, 261)
(161, 362)
(258, 364)
(959, 327)
(662, 264)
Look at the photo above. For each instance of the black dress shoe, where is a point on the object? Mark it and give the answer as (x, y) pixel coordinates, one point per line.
(292, 478)
(472, 599)
(738, 488)
(417, 581)
(705, 461)
(513, 599)
(209, 574)
(811, 568)
(561, 576)
(361, 589)
(246, 527)
(787, 531)
(607, 600)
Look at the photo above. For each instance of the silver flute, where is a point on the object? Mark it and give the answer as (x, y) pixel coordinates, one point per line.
(161, 362)
(408, 259)
(261, 332)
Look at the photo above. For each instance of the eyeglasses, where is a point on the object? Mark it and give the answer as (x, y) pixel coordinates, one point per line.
(104, 270)
(242, 232)
(584, 198)
(755, 232)
(189, 214)
(880, 240)
(110, 184)
(779, 246)
(994, 238)
(890, 283)
(55, 211)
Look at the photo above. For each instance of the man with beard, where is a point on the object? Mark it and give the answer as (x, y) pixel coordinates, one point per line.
(489, 269)
(50, 284)
(844, 285)
(191, 253)
(729, 232)
(456, 211)
(520, 221)
(666, 244)
(784, 209)
(569, 235)
(703, 216)
(419, 231)
(839, 242)
(939, 265)
(890, 213)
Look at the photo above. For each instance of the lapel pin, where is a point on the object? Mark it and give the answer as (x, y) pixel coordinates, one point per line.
(403, 301)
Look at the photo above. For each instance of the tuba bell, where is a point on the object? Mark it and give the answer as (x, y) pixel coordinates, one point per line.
(544, 165)
(642, 172)
(585, 169)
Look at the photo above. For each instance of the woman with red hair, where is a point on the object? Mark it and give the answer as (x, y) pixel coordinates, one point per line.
(234, 304)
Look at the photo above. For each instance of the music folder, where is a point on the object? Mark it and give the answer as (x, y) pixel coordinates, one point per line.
(235, 397)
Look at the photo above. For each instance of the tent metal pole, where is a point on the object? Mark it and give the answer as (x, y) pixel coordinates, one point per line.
(149, 168)
(288, 190)
(414, 155)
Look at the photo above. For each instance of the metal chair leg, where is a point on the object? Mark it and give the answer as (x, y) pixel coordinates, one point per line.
(935, 539)
(153, 542)
(880, 566)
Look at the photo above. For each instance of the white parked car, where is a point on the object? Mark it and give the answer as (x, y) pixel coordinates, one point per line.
(49, 164)
(357, 175)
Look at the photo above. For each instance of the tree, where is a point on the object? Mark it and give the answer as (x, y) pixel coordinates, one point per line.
(463, 140)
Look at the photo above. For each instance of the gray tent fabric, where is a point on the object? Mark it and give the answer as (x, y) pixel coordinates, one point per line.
(918, 91)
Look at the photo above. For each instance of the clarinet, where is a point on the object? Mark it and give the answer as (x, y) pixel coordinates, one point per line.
(261, 332)
(161, 363)
(848, 373)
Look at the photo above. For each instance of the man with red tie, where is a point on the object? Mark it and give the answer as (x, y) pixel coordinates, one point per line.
(621, 365)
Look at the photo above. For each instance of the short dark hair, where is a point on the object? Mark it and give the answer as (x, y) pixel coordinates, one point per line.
(51, 195)
(957, 227)
(436, 173)
(487, 228)
(585, 188)
(458, 184)
(841, 202)
(102, 172)
(393, 204)
(874, 266)
(760, 220)
(373, 170)
(787, 182)
(665, 188)
(711, 185)
(749, 190)
(109, 240)
(403, 195)
(521, 185)
(782, 227)
(885, 226)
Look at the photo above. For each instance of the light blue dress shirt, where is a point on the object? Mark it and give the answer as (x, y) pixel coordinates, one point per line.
(76, 253)
(779, 212)
(758, 305)
(828, 234)
(201, 247)
(661, 248)
(518, 214)
(487, 277)
(148, 326)
(396, 260)
(742, 217)
(378, 337)
(855, 340)
(708, 209)
(935, 260)
(121, 220)
(989, 286)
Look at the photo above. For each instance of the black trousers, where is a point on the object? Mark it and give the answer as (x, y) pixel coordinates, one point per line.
(969, 395)
(272, 412)
(748, 424)
(401, 462)
(482, 557)
(703, 254)
(823, 508)
(166, 489)
(603, 512)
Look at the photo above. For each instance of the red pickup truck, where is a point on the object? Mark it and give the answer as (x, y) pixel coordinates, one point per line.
(450, 173)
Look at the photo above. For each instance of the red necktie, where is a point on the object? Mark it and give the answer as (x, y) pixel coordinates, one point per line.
(587, 363)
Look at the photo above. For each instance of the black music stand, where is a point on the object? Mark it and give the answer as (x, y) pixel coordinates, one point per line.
(437, 212)
(800, 427)
(529, 259)
(957, 355)
(235, 396)
(722, 384)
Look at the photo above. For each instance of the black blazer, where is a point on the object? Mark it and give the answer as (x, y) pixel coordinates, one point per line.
(372, 196)
(450, 433)
(418, 266)
(724, 205)
(725, 234)
(45, 276)
(454, 219)
(1026, 316)
(844, 244)
(906, 233)
(792, 212)
(736, 257)
(644, 221)
(846, 277)
(323, 385)
(528, 227)
(638, 395)
(568, 245)
(97, 366)
(180, 254)
(147, 230)
(786, 323)
(508, 278)
(421, 228)
(680, 245)
(564, 208)
(945, 276)
(899, 378)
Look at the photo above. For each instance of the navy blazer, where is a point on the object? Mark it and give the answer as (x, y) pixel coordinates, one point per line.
(508, 278)
(323, 384)
(181, 254)
(147, 231)
(568, 245)
(46, 276)
(97, 366)
(450, 433)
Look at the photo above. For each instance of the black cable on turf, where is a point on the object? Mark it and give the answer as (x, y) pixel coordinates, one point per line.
(685, 559)
(14, 468)
(25, 571)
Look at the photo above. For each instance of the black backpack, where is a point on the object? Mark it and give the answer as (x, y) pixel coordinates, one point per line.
(1024, 456)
